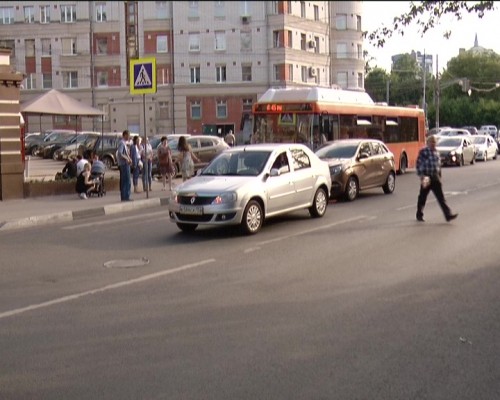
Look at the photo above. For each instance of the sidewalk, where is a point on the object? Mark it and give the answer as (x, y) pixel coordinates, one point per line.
(22, 213)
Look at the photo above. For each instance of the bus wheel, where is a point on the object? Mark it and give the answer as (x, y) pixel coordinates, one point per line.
(403, 165)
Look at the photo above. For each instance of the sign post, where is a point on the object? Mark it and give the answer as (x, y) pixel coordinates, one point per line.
(143, 81)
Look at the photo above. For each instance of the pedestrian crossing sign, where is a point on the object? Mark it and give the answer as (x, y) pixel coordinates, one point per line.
(143, 76)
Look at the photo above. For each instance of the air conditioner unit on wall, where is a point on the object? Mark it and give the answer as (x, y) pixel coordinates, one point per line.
(245, 19)
(312, 72)
(312, 44)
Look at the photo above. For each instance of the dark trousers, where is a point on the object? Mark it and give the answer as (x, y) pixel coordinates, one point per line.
(437, 189)
(124, 182)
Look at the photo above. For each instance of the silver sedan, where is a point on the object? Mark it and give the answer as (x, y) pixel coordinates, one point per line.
(248, 184)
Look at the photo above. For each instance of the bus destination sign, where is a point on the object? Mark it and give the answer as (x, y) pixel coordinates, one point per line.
(279, 107)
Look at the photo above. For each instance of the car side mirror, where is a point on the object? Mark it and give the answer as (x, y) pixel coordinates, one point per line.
(363, 155)
(274, 172)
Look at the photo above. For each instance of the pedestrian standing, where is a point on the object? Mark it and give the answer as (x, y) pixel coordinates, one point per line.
(230, 139)
(186, 158)
(147, 161)
(124, 163)
(135, 155)
(429, 172)
(165, 163)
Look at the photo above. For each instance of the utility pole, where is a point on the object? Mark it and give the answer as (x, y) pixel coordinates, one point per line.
(423, 100)
(387, 91)
(438, 91)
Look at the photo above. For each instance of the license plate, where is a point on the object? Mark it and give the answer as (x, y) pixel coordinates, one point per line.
(191, 210)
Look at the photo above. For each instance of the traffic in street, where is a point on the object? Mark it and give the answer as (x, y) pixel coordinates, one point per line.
(364, 303)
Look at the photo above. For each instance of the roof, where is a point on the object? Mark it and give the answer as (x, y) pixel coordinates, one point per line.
(311, 94)
(54, 102)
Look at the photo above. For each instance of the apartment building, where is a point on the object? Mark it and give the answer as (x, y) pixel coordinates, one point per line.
(213, 58)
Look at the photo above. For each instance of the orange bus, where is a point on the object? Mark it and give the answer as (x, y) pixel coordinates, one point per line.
(313, 115)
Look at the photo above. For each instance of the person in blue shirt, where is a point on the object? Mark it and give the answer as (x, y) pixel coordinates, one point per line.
(429, 172)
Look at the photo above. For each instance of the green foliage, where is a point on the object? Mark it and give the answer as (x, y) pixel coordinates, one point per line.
(426, 14)
(376, 84)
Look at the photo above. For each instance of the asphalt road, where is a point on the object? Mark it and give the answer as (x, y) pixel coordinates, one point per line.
(365, 303)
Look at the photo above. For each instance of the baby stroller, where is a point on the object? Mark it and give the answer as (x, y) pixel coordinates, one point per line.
(98, 188)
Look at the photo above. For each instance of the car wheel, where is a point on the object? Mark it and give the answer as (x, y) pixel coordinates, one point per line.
(55, 157)
(352, 189)
(108, 162)
(495, 156)
(320, 202)
(390, 184)
(34, 150)
(252, 218)
(403, 165)
(187, 227)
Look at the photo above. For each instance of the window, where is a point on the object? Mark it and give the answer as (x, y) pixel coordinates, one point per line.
(276, 39)
(44, 14)
(316, 13)
(68, 13)
(358, 23)
(246, 72)
(290, 72)
(290, 40)
(70, 79)
(46, 47)
(195, 74)
(194, 11)
(316, 40)
(163, 108)
(303, 73)
(300, 159)
(102, 78)
(161, 44)
(288, 6)
(194, 42)
(9, 44)
(6, 15)
(360, 52)
(342, 79)
(220, 73)
(247, 105)
(302, 9)
(221, 109)
(30, 82)
(341, 22)
(195, 110)
(278, 75)
(317, 78)
(341, 50)
(274, 7)
(163, 75)
(219, 10)
(246, 40)
(161, 10)
(245, 8)
(102, 46)
(220, 40)
(47, 81)
(29, 14)
(360, 80)
(29, 45)
(68, 46)
(303, 41)
(100, 12)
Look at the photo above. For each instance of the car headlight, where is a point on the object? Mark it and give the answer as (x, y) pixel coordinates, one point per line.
(452, 153)
(224, 198)
(336, 169)
(173, 196)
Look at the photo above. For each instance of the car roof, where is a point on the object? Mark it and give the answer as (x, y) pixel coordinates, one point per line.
(268, 146)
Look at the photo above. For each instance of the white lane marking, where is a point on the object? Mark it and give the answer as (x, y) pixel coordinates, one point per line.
(251, 249)
(114, 220)
(117, 285)
(313, 230)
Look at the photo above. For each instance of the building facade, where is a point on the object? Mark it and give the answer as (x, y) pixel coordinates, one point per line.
(213, 58)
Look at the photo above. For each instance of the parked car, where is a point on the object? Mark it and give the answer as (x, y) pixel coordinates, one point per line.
(486, 147)
(488, 130)
(456, 150)
(245, 185)
(107, 145)
(454, 132)
(83, 141)
(205, 148)
(472, 129)
(34, 143)
(358, 164)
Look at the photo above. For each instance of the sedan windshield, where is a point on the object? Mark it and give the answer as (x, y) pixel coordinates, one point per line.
(479, 140)
(238, 163)
(451, 142)
(338, 150)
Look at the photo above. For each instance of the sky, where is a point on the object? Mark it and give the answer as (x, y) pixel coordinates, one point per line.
(463, 32)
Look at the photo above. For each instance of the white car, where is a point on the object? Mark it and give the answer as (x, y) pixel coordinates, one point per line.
(486, 147)
(488, 130)
(247, 184)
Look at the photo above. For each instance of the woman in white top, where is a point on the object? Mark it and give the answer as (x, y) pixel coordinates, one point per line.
(186, 158)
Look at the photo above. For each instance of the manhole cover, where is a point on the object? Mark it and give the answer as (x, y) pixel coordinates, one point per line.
(131, 263)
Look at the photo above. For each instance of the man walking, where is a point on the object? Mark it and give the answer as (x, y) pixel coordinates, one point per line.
(429, 172)
(124, 161)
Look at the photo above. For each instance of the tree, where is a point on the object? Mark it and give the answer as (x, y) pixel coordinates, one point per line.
(406, 81)
(376, 84)
(426, 14)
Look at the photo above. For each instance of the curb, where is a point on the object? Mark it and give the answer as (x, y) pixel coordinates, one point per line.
(67, 216)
